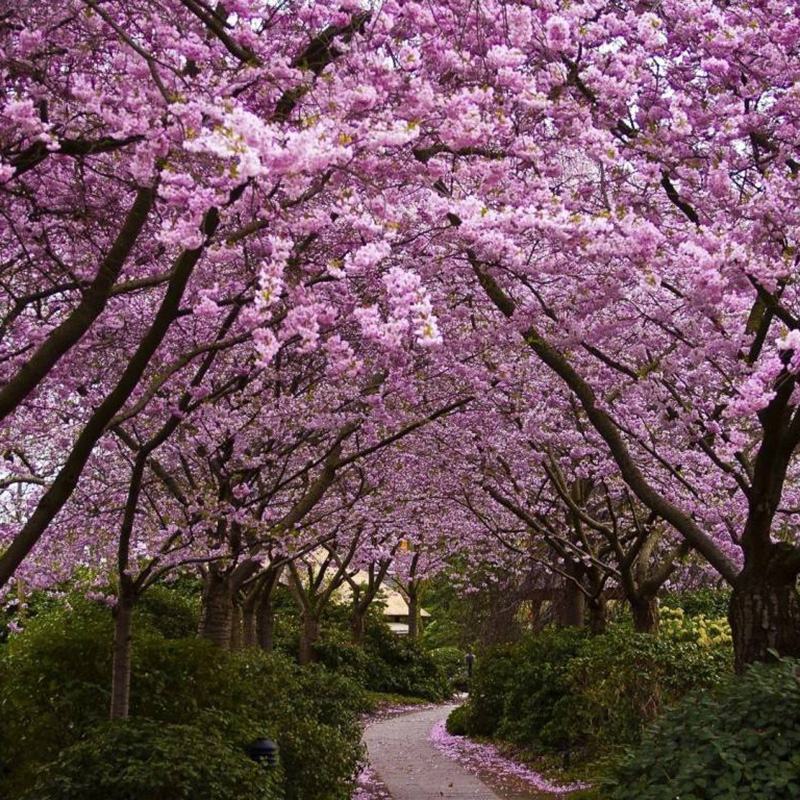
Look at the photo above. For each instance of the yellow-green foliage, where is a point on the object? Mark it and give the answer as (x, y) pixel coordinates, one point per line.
(699, 629)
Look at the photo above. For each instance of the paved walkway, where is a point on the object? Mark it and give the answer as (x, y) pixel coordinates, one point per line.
(409, 765)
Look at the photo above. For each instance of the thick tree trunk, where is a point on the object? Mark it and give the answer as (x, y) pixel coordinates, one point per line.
(764, 611)
(572, 606)
(121, 659)
(237, 626)
(598, 614)
(265, 623)
(216, 619)
(358, 625)
(645, 614)
(308, 638)
(250, 624)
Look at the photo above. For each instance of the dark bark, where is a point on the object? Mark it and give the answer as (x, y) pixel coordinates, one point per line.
(65, 482)
(265, 623)
(216, 619)
(413, 613)
(94, 300)
(265, 612)
(598, 614)
(237, 627)
(121, 660)
(645, 613)
(764, 610)
(358, 624)
(250, 619)
(572, 606)
(308, 638)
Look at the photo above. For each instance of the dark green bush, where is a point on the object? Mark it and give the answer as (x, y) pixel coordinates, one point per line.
(741, 741)
(54, 693)
(617, 683)
(533, 705)
(398, 665)
(563, 689)
(54, 686)
(386, 662)
(339, 654)
(173, 613)
(494, 674)
(314, 713)
(457, 721)
(701, 602)
(451, 661)
(145, 760)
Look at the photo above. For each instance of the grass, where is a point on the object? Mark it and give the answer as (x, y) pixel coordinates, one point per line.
(381, 699)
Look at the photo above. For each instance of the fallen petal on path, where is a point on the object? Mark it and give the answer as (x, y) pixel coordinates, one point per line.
(484, 758)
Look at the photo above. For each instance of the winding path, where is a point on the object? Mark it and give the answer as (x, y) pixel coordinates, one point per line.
(411, 768)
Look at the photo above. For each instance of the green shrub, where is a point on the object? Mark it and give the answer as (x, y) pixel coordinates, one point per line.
(494, 674)
(741, 741)
(456, 723)
(533, 705)
(54, 693)
(338, 653)
(563, 689)
(450, 660)
(54, 686)
(701, 602)
(398, 665)
(173, 613)
(314, 713)
(145, 760)
(617, 683)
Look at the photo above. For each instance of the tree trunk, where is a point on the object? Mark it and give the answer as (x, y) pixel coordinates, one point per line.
(265, 623)
(250, 624)
(237, 626)
(645, 614)
(308, 638)
(764, 611)
(216, 620)
(413, 613)
(572, 607)
(358, 625)
(598, 614)
(121, 659)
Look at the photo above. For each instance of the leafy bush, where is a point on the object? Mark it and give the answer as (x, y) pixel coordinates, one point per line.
(173, 613)
(620, 681)
(741, 741)
(399, 665)
(494, 674)
(54, 693)
(386, 663)
(712, 603)
(339, 654)
(144, 760)
(450, 660)
(457, 721)
(314, 714)
(563, 689)
(54, 686)
(533, 710)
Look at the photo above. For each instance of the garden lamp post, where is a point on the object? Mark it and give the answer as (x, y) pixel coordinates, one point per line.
(263, 751)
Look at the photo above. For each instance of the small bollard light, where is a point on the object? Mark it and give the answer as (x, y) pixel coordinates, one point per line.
(263, 751)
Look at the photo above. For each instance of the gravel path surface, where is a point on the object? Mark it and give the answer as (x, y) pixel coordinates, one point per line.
(402, 755)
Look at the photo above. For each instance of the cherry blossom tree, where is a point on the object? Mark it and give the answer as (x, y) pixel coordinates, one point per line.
(396, 207)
